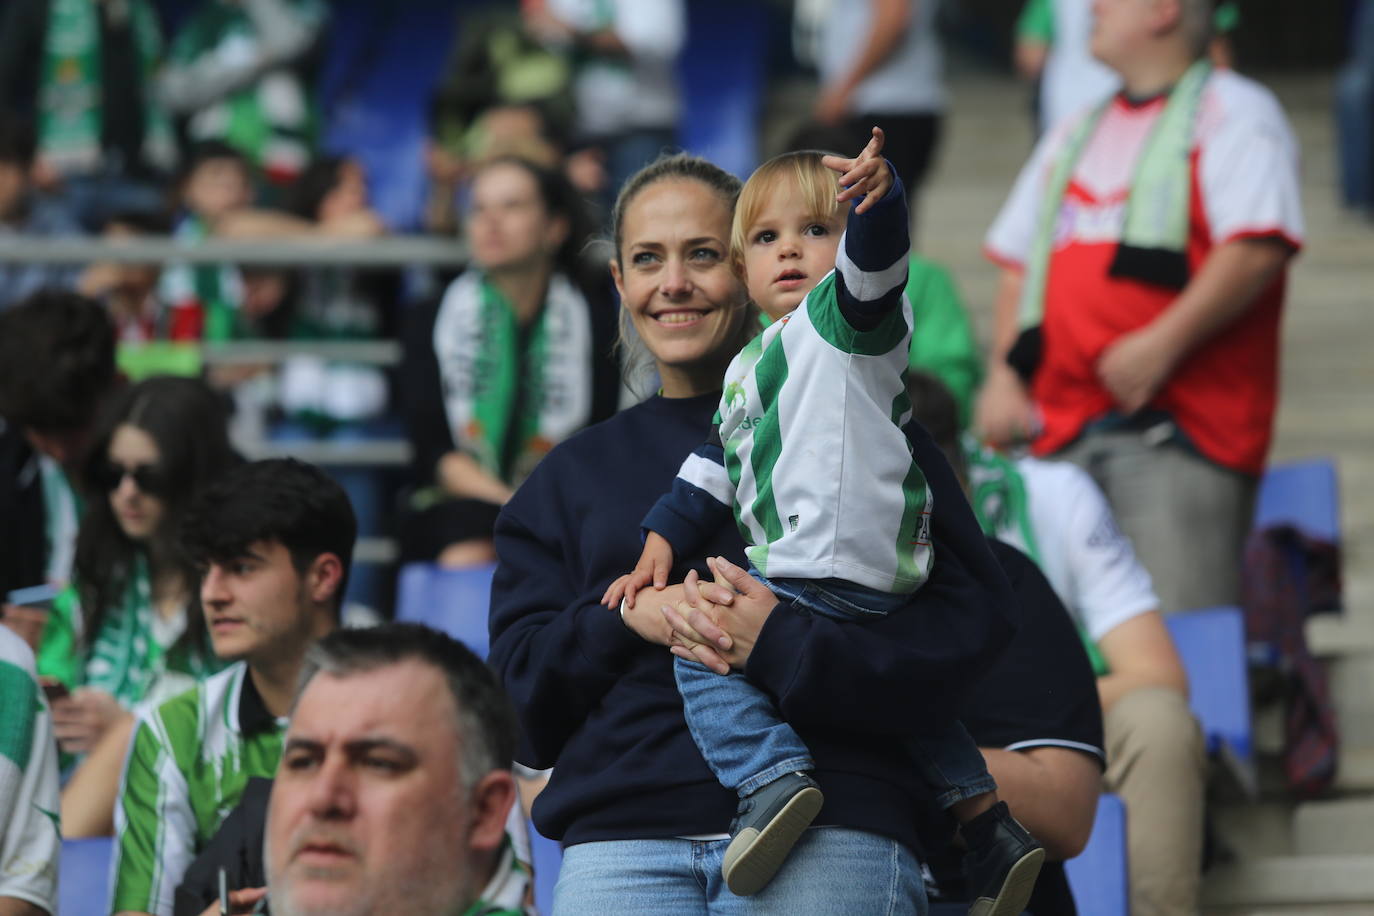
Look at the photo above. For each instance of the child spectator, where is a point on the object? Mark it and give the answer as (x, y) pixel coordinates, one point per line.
(130, 291)
(837, 520)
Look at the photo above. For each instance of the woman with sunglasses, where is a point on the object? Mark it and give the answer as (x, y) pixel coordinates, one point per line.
(129, 628)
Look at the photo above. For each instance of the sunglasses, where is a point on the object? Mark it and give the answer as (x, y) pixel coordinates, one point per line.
(149, 478)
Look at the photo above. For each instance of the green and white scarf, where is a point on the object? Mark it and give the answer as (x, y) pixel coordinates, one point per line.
(997, 492)
(1154, 238)
(216, 288)
(70, 106)
(512, 393)
(270, 120)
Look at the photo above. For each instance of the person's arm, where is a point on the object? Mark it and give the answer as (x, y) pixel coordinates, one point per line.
(1136, 365)
(20, 690)
(1052, 791)
(282, 35)
(1140, 653)
(88, 799)
(459, 474)
(699, 502)
(886, 32)
(557, 649)
(871, 261)
(13, 906)
(154, 827)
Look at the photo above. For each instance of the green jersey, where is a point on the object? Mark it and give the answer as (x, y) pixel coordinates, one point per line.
(188, 763)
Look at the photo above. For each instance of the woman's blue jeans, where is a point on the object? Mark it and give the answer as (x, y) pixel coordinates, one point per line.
(830, 870)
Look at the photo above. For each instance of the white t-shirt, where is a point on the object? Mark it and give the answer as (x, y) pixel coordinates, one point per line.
(615, 95)
(910, 81)
(1088, 561)
(29, 840)
(1247, 166)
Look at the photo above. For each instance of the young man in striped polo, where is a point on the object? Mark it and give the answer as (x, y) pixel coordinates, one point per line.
(275, 539)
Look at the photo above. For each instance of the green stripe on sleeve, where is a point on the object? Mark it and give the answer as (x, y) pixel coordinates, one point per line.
(16, 713)
(824, 309)
(140, 826)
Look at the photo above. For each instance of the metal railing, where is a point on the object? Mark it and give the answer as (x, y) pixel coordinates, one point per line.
(390, 251)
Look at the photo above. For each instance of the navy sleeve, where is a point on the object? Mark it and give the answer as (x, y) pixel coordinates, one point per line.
(871, 263)
(557, 651)
(699, 503)
(929, 652)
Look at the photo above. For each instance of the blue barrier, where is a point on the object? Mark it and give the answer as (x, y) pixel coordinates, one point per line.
(1100, 876)
(453, 600)
(83, 887)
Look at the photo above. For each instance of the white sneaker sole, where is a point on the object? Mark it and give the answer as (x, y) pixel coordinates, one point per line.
(754, 857)
(1016, 890)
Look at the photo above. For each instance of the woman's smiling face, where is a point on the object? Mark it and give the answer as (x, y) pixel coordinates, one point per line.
(676, 285)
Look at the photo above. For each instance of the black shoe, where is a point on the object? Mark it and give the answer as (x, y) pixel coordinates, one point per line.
(1001, 864)
(769, 823)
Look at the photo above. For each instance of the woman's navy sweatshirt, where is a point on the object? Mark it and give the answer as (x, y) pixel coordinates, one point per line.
(602, 704)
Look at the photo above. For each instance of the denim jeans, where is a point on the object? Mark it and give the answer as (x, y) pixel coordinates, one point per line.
(747, 744)
(830, 870)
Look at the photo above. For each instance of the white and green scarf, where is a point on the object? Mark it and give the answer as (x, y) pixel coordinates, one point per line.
(1154, 238)
(70, 109)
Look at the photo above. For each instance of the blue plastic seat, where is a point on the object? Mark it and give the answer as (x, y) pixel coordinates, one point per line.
(1302, 494)
(1100, 876)
(548, 859)
(1211, 644)
(453, 600)
(721, 72)
(83, 884)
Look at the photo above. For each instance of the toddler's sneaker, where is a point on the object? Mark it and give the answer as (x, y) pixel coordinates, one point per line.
(768, 825)
(1001, 864)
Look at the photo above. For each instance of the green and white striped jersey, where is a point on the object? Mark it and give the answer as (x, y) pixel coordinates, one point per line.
(29, 838)
(188, 763)
(824, 483)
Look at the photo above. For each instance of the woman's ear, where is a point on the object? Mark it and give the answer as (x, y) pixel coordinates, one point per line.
(617, 278)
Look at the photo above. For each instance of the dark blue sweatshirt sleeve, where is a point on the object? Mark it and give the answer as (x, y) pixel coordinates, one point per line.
(929, 653)
(871, 263)
(699, 503)
(558, 651)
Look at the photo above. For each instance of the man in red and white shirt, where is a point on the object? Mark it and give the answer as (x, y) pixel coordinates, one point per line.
(1166, 395)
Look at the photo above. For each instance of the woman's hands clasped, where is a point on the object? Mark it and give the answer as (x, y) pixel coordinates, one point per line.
(717, 623)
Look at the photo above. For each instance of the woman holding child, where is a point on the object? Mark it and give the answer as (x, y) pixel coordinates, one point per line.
(642, 816)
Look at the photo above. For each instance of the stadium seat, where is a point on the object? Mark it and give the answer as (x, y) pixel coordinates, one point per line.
(548, 859)
(452, 600)
(1100, 876)
(1302, 494)
(83, 876)
(1211, 643)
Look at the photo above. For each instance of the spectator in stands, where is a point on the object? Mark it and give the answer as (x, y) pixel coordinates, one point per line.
(880, 63)
(625, 83)
(130, 291)
(1053, 39)
(129, 630)
(1355, 112)
(238, 72)
(57, 366)
(30, 840)
(1156, 758)
(595, 689)
(25, 212)
(274, 539)
(83, 71)
(514, 358)
(1142, 342)
(428, 838)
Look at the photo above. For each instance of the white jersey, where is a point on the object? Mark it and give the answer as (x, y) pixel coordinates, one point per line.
(29, 839)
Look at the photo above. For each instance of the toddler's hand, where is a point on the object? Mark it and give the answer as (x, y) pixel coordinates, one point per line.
(866, 175)
(655, 562)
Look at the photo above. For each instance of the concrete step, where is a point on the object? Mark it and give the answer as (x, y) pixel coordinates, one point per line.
(1292, 881)
(1356, 770)
(1253, 830)
(1310, 909)
(1334, 828)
